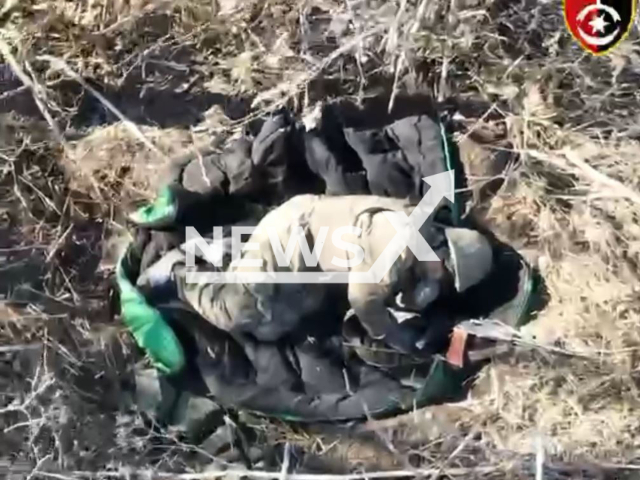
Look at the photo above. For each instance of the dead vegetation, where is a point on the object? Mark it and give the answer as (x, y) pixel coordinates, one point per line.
(187, 73)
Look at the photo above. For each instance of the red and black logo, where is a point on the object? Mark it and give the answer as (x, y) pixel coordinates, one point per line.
(599, 25)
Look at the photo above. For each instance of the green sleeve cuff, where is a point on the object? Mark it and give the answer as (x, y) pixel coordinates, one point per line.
(163, 210)
(150, 331)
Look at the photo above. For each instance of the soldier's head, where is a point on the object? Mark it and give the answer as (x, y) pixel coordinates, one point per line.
(465, 259)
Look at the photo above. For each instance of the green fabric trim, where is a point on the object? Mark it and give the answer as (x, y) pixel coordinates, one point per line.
(163, 208)
(448, 150)
(444, 383)
(530, 288)
(147, 326)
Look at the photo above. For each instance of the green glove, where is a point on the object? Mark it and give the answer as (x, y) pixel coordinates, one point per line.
(150, 330)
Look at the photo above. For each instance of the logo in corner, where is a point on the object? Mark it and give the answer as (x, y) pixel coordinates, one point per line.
(599, 25)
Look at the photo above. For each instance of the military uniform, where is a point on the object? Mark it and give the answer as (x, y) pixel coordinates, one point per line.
(268, 311)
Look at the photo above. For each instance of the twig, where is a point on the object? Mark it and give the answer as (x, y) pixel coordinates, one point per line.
(598, 177)
(455, 453)
(15, 91)
(36, 470)
(284, 471)
(443, 91)
(18, 192)
(8, 6)
(570, 157)
(539, 459)
(151, 474)
(498, 331)
(35, 394)
(299, 84)
(36, 91)
(42, 196)
(396, 78)
(392, 44)
(54, 248)
(403, 56)
(477, 123)
(359, 55)
(203, 170)
(132, 127)
(19, 348)
(150, 8)
(28, 423)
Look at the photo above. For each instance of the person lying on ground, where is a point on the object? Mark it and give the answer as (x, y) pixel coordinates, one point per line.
(269, 311)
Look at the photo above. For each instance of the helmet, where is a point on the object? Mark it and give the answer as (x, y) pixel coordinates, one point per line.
(471, 256)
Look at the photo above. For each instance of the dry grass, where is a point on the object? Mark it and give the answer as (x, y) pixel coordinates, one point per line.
(110, 160)
(570, 204)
